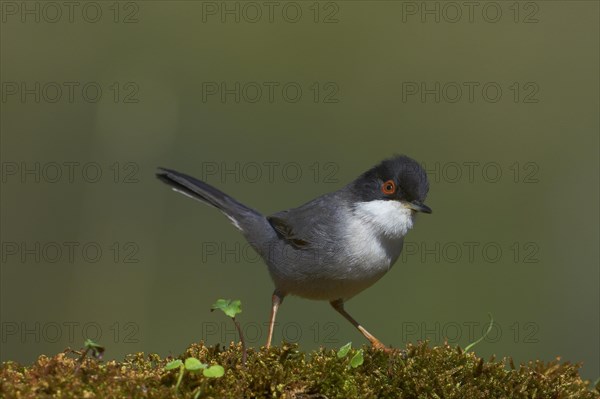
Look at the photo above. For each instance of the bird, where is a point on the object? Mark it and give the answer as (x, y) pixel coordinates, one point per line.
(334, 246)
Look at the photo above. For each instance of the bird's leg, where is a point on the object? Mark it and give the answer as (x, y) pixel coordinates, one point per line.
(277, 299)
(339, 306)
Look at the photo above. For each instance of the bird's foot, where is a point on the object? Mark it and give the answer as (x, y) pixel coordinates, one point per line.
(381, 347)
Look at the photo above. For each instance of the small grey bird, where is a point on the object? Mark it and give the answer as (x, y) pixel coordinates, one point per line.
(334, 246)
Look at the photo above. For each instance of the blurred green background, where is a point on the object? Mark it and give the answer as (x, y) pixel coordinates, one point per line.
(513, 166)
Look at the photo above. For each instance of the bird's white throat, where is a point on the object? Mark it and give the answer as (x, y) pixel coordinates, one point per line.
(390, 218)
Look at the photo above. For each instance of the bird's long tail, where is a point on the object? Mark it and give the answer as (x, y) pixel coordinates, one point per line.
(252, 223)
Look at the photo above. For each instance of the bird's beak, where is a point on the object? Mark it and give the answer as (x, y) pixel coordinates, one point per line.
(418, 207)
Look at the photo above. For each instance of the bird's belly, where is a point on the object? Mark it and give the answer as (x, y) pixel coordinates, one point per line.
(331, 288)
(342, 275)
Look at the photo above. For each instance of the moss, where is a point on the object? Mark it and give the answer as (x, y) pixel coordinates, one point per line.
(419, 372)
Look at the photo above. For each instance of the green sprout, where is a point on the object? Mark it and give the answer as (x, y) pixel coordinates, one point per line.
(90, 346)
(344, 350)
(356, 360)
(194, 365)
(214, 371)
(472, 344)
(96, 349)
(173, 365)
(231, 308)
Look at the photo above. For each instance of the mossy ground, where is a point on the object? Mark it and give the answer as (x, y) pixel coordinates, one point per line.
(286, 372)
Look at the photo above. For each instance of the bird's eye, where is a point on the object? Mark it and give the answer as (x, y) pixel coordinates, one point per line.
(389, 187)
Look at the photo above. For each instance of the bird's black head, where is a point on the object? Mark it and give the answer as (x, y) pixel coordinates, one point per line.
(399, 178)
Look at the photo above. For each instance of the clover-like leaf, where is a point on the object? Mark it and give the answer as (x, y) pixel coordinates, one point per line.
(228, 306)
(173, 364)
(344, 350)
(193, 364)
(357, 359)
(215, 371)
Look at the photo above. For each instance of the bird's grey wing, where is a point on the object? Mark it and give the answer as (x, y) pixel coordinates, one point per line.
(285, 231)
(307, 224)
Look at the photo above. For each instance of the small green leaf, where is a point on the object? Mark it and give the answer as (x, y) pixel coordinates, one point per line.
(173, 364)
(215, 371)
(344, 350)
(193, 364)
(97, 349)
(357, 359)
(229, 307)
(91, 344)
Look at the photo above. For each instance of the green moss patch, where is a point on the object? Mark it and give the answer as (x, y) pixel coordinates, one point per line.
(419, 372)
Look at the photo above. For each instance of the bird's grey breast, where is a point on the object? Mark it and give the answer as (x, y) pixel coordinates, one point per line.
(333, 248)
(374, 241)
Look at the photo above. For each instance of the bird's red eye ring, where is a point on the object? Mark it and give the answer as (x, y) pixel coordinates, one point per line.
(389, 187)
